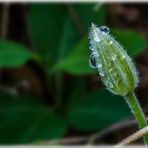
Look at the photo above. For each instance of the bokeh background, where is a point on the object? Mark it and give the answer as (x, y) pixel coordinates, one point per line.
(48, 92)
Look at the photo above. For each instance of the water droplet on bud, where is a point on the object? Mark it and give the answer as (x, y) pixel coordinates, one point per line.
(99, 65)
(96, 38)
(92, 61)
(101, 72)
(114, 58)
(104, 29)
(111, 42)
(123, 57)
(91, 48)
(95, 54)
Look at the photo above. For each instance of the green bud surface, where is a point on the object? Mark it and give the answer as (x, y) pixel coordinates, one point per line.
(115, 67)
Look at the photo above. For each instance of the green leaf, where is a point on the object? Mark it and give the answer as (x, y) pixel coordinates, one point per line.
(88, 14)
(13, 54)
(132, 41)
(77, 60)
(26, 119)
(51, 36)
(97, 110)
(46, 23)
(68, 39)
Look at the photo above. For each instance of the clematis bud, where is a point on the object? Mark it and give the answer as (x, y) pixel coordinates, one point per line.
(115, 67)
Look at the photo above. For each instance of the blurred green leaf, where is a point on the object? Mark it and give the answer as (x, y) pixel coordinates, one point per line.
(51, 36)
(77, 60)
(132, 41)
(13, 54)
(97, 110)
(89, 13)
(68, 39)
(26, 119)
(46, 25)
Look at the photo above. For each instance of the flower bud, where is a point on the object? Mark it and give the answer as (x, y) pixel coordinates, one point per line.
(115, 67)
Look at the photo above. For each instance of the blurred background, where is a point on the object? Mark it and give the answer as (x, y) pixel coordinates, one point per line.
(48, 92)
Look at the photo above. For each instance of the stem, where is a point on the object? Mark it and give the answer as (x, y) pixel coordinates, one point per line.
(138, 113)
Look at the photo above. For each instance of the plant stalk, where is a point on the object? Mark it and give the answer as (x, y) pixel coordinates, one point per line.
(138, 113)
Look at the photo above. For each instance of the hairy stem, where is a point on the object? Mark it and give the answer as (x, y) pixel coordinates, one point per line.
(138, 113)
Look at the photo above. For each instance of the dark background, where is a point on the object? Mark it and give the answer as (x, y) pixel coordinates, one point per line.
(48, 91)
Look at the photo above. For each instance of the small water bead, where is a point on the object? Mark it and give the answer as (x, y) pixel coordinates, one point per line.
(114, 57)
(92, 61)
(104, 29)
(111, 42)
(101, 72)
(99, 65)
(96, 54)
(91, 48)
(90, 40)
(96, 37)
(123, 57)
(95, 33)
(100, 69)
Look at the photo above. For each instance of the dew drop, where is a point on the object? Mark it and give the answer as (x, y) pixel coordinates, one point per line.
(101, 72)
(104, 29)
(123, 57)
(95, 33)
(91, 45)
(111, 42)
(96, 37)
(99, 65)
(91, 48)
(95, 54)
(92, 61)
(114, 58)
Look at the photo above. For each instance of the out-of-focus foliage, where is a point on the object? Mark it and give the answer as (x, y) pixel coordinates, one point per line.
(53, 31)
(98, 109)
(25, 119)
(46, 23)
(59, 36)
(13, 54)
